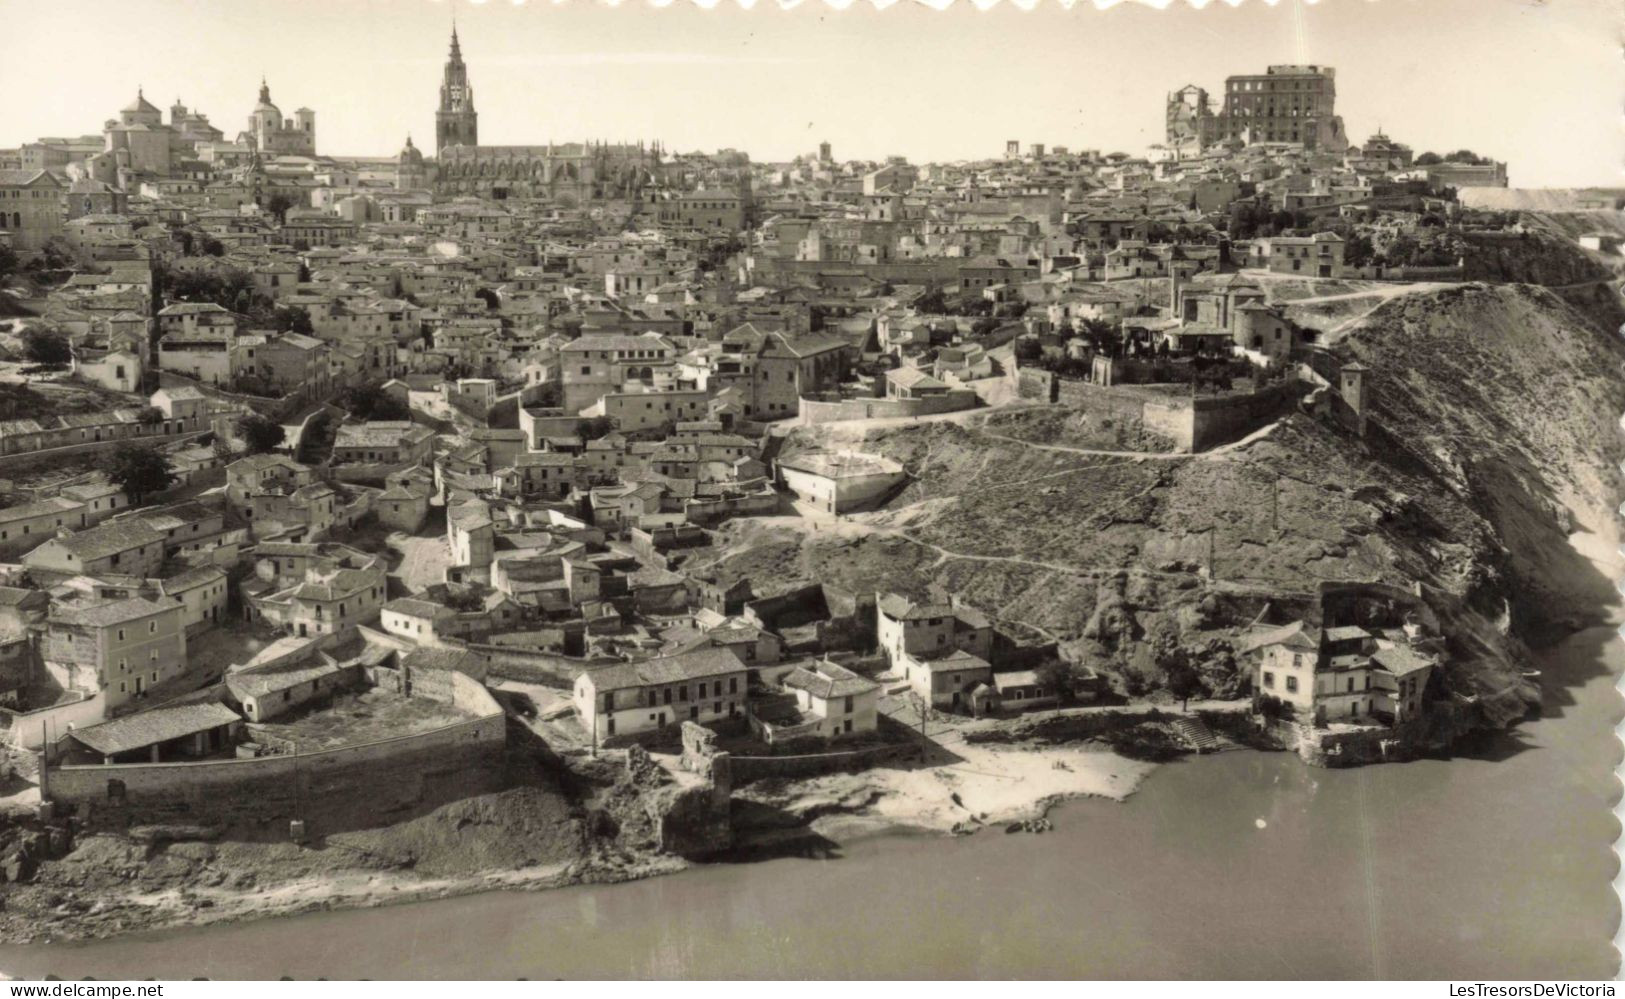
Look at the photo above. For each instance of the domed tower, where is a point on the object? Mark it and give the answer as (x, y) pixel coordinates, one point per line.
(265, 119)
(141, 112)
(409, 171)
(456, 122)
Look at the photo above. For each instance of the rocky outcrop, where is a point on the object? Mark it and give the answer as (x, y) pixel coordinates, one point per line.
(695, 820)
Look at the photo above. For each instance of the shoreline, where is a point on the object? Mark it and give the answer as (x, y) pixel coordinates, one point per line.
(979, 788)
(901, 803)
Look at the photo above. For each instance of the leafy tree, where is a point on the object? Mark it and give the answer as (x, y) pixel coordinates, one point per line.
(1055, 675)
(8, 262)
(46, 347)
(371, 402)
(932, 302)
(316, 443)
(212, 247)
(259, 433)
(492, 301)
(1183, 680)
(593, 428)
(150, 415)
(140, 470)
(1427, 159)
(1358, 250)
(1028, 350)
(291, 319)
(278, 206)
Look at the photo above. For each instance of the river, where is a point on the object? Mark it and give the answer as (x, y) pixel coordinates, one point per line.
(1495, 864)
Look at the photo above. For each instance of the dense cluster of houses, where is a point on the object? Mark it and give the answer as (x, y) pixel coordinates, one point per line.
(581, 388)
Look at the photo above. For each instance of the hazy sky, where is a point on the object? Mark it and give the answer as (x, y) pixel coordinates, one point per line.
(1536, 83)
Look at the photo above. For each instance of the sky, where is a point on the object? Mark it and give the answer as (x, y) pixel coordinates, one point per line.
(1535, 82)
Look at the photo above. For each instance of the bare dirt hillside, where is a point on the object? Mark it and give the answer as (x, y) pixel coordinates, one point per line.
(1494, 418)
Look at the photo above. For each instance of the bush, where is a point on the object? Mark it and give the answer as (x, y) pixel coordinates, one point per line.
(46, 347)
(371, 402)
(260, 434)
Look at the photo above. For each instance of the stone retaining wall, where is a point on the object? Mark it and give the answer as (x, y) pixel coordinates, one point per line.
(1193, 423)
(339, 787)
(814, 412)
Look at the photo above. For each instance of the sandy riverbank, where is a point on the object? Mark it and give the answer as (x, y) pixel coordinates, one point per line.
(981, 786)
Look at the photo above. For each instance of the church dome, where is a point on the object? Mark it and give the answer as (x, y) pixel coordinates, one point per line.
(411, 153)
(141, 105)
(265, 100)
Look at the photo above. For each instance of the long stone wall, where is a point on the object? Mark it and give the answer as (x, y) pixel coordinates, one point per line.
(749, 768)
(342, 787)
(706, 512)
(1194, 423)
(25, 460)
(814, 412)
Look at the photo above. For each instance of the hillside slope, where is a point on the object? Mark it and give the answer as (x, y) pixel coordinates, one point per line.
(1494, 412)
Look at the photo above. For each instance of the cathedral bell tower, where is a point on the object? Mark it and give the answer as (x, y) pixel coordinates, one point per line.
(456, 122)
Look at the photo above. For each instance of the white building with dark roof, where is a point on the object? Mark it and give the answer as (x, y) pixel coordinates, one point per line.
(704, 685)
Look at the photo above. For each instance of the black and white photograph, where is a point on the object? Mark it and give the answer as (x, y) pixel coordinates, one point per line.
(811, 492)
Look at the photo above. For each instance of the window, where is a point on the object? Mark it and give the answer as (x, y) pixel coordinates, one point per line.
(733, 683)
(1292, 684)
(1269, 679)
(849, 707)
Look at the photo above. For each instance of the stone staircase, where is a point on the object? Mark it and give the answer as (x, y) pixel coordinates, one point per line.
(1196, 734)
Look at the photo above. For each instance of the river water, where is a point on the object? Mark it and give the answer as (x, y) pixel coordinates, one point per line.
(1494, 864)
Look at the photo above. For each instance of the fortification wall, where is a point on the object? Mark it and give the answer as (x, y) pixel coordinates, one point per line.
(1221, 419)
(1194, 423)
(26, 460)
(814, 412)
(342, 787)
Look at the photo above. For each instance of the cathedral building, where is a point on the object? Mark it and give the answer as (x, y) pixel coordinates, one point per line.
(456, 123)
(570, 173)
(270, 134)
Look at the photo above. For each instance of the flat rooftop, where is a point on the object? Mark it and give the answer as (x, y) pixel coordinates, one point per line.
(367, 716)
(841, 464)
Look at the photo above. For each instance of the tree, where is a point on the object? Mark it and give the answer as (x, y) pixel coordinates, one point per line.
(1028, 350)
(593, 428)
(278, 206)
(259, 433)
(1358, 251)
(150, 415)
(371, 402)
(140, 470)
(1427, 159)
(492, 301)
(46, 347)
(213, 247)
(1183, 681)
(1055, 675)
(8, 262)
(291, 319)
